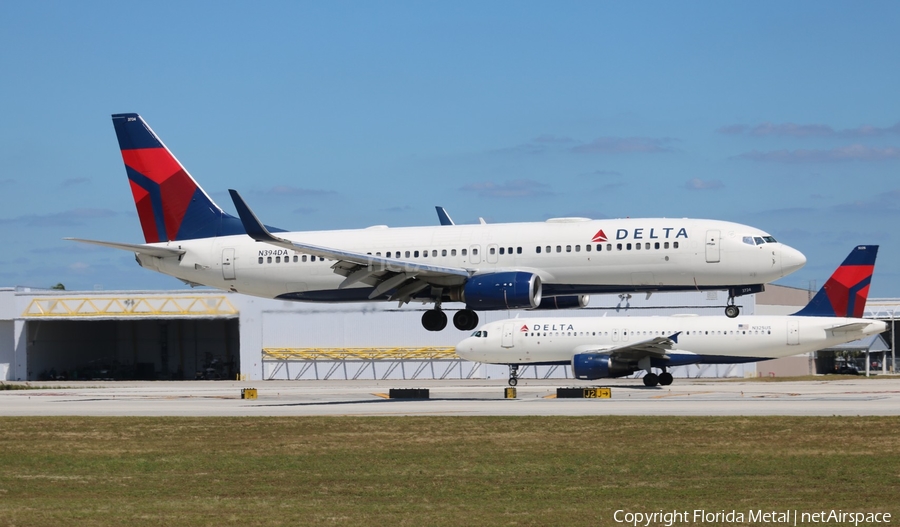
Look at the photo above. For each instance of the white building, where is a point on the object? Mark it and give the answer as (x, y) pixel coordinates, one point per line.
(214, 334)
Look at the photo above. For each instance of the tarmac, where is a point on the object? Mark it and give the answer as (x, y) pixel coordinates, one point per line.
(685, 397)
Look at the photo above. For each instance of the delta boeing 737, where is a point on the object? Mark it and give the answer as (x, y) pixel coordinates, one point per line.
(547, 265)
(603, 347)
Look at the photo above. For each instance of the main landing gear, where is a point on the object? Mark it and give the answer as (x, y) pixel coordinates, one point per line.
(436, 320)
(513, 374)
(663, 379)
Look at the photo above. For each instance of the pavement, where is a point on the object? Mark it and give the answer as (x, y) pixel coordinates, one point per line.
(685, 397)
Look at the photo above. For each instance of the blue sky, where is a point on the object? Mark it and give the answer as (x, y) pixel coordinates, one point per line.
(780, 115)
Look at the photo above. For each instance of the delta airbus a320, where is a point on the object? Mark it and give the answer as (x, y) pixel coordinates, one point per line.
(547, 265)
(603, 347)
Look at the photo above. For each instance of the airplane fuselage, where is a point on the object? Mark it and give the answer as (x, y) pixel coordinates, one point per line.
(571, 256)
(700, 339)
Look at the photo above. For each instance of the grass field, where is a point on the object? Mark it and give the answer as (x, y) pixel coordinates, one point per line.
(436, 470)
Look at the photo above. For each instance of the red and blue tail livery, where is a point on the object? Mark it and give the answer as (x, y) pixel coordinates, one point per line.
(845, 293)
(170, 204)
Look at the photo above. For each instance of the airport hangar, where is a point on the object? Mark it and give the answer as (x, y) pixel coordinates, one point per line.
(211, 334)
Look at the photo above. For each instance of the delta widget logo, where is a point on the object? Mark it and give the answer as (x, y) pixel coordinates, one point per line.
(599, 237)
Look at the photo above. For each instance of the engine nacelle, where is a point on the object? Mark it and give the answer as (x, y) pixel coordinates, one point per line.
(505, 290)
(590, 366)
(564, 302)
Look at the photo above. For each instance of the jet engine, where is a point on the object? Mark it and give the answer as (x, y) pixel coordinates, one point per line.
(563, 302)
(590, 366)
(504, 290)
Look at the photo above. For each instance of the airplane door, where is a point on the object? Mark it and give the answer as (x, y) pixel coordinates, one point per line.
(474, 254)
(793, 332)
(492, 256)
(712, 246)
(507, 339)
(228, 264)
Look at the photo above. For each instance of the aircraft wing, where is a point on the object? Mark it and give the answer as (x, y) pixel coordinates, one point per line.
(385, 273)
(655, 348)
(151, 250)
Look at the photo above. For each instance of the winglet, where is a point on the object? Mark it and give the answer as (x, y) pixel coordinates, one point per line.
(443, 216)
(674, 337)
(845, 293)
(255, 229)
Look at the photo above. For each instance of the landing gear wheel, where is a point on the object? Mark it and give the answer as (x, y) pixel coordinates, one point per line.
(465, 320)
(665, 378)
(651, 379)
(434, 320)
(732, 311)
(513, 374)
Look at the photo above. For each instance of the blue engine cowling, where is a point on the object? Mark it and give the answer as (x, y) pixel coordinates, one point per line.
(563, 302)
(506, 290)
(590, 366)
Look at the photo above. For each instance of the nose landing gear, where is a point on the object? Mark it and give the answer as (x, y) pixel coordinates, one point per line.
(513, 374)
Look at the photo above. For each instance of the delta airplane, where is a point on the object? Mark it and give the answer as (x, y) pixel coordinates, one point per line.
(601, 347)
(548, 265)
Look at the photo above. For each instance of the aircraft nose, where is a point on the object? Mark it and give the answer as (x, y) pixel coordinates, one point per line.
(791, 260)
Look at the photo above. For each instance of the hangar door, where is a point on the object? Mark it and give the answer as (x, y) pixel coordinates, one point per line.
(145, 349)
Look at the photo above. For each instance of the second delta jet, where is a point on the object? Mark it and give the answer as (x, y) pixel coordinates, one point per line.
(603, 347)
(547, 265)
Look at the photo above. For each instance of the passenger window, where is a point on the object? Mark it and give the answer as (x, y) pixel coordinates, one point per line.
(537, 249)
(637, 247)
(474, 251)
(492, 250)
(587, 248)
(277, 259)
(464, 251)
(416, 254)
(260, 259)
(618, 246)
(656, 245)
(452, 252)
(303, 258)
(501, 250)
(268, 259)
(559, 248)
(509, 250)
(674, 245)
(577, 248)
(434, 253)
(609, 247)
(647, 246)
(628, 246)
(518, 250)
(568, 248)
(295, 258)
(424, 254)
(407, 254)
(548, 249)
(666, 245)
(443, 252)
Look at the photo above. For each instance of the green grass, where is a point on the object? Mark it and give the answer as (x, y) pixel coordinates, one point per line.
(436, 470)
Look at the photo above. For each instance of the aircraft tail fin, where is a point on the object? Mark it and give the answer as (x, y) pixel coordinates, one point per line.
(845, 293)
(170, 204)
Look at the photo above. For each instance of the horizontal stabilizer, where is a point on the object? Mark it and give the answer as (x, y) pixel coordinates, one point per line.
(151, 250)
(847, 328)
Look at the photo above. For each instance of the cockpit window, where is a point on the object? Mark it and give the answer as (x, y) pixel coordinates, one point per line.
(748, 240)
(758, 240)
(484, 334)
(477, 333)
(769, 239)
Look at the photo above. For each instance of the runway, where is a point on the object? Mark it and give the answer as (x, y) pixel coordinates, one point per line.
(686, 397)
